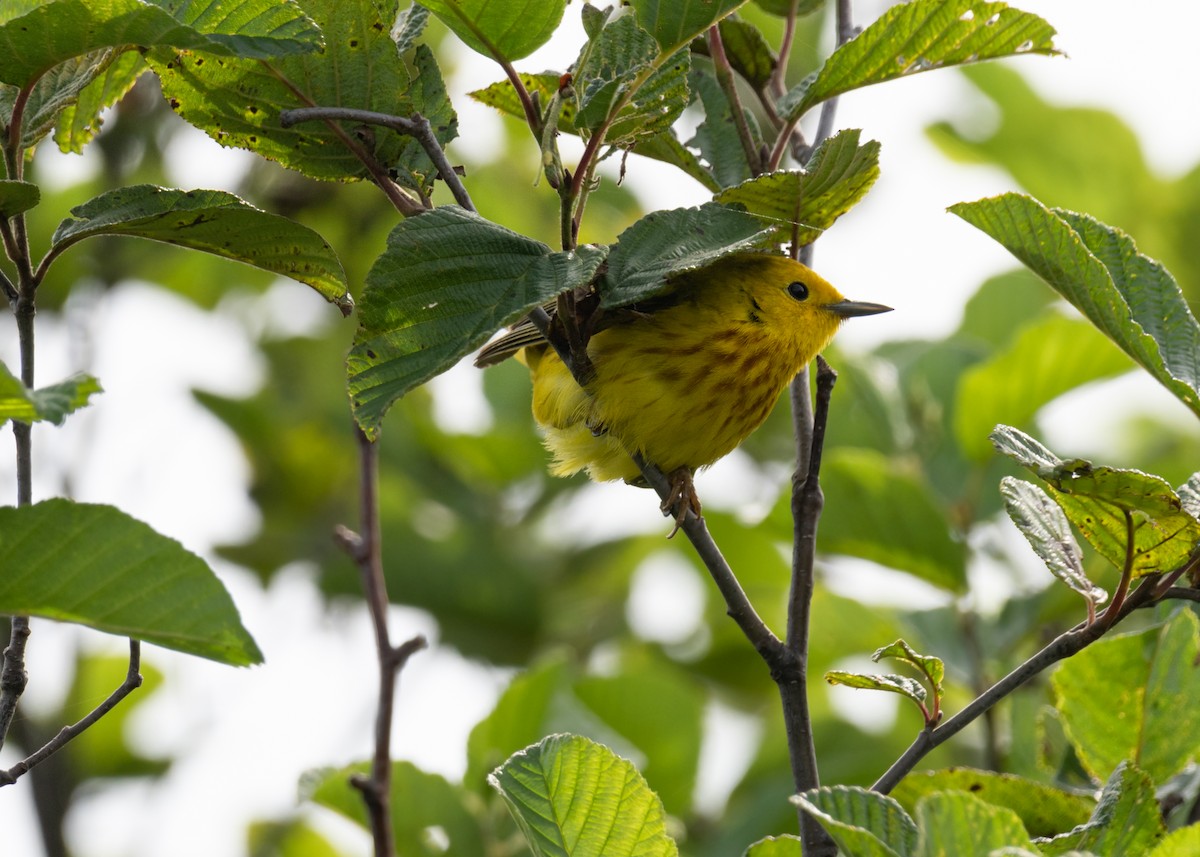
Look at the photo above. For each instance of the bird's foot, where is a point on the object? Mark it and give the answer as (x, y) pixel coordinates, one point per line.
(682, 499)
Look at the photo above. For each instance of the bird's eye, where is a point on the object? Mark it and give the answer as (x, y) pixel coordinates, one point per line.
(798, 290)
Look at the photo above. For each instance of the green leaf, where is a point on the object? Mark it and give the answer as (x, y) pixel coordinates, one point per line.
(290, 838)
(1002, 304)
(446, 282)
(504, 31)
(747, 49)
(655, 105)
(919, 36)
(902, 685)
(53, 403)
(419, 801)
(643, 123)
(80, 120)
(412, 166)
(783, 8)
(1126, 820)
(61, 30)
(674, 23)
(1189, 495)
(95, 565)
(409, 26)
(237, 101)
(932, 668)
(518, 719)
(1044, 525)
(1096, 499)
(1179, 843)
(1042, 145)
(717, 137)
(883, 511)
(1149, 708)
(17, 197)
(575, 798)
(215, 222)
(863, 823)
(666, 147)
(53, 93)
(1130, 297)
(958, 824)
(611, 63)
(660, 710)
(1046, 358)
(777, 846)
(809, 201)
(1043, 810)
(666, 243)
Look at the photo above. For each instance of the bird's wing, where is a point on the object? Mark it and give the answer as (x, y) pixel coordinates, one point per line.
(523, 333)
(520, 335)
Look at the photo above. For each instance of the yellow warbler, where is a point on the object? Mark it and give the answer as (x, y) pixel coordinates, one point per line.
(684, 378)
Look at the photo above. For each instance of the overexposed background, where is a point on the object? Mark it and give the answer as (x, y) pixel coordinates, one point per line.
(242, 737)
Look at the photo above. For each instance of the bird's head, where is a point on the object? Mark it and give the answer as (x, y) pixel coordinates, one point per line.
(792, 300)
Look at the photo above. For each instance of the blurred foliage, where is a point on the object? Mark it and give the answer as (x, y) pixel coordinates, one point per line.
(1053, 152)
(471, 520)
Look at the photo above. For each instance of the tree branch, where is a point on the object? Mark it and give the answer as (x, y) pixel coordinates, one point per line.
(1062, 647)
(367, 551)
(133, 680)
(807, 503)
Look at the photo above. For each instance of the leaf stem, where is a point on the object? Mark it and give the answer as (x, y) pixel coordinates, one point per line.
(133, 680)
(1105, 620)
(724, 74)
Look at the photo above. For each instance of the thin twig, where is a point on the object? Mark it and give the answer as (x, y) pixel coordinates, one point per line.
(416, 126)
(777, 85)
(807, 503)
(367, 551)
(737, 604)
(133, 680)
(531, 115)
(13, 677)
(399, 199)
(1181, 593)
(724, 74)
(1062, 647)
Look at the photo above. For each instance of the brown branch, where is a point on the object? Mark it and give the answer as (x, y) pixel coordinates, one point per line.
(807, 503)
(417, 127)
(367, 551)
(133, 680)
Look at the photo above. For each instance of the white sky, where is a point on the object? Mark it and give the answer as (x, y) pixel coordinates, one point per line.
(247, 734)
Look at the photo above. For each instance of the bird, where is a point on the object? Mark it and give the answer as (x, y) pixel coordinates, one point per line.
(681, 379)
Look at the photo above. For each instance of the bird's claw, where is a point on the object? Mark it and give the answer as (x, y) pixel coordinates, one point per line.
(682, 499)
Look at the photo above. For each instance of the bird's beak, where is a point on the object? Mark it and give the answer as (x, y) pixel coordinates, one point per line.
(850, 309)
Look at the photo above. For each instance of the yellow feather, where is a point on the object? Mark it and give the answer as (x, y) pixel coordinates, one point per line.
(684, 385)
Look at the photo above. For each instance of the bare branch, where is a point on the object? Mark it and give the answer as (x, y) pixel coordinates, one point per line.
(417, 127)
(1062, 647)
(366, 548)
(133, 680)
